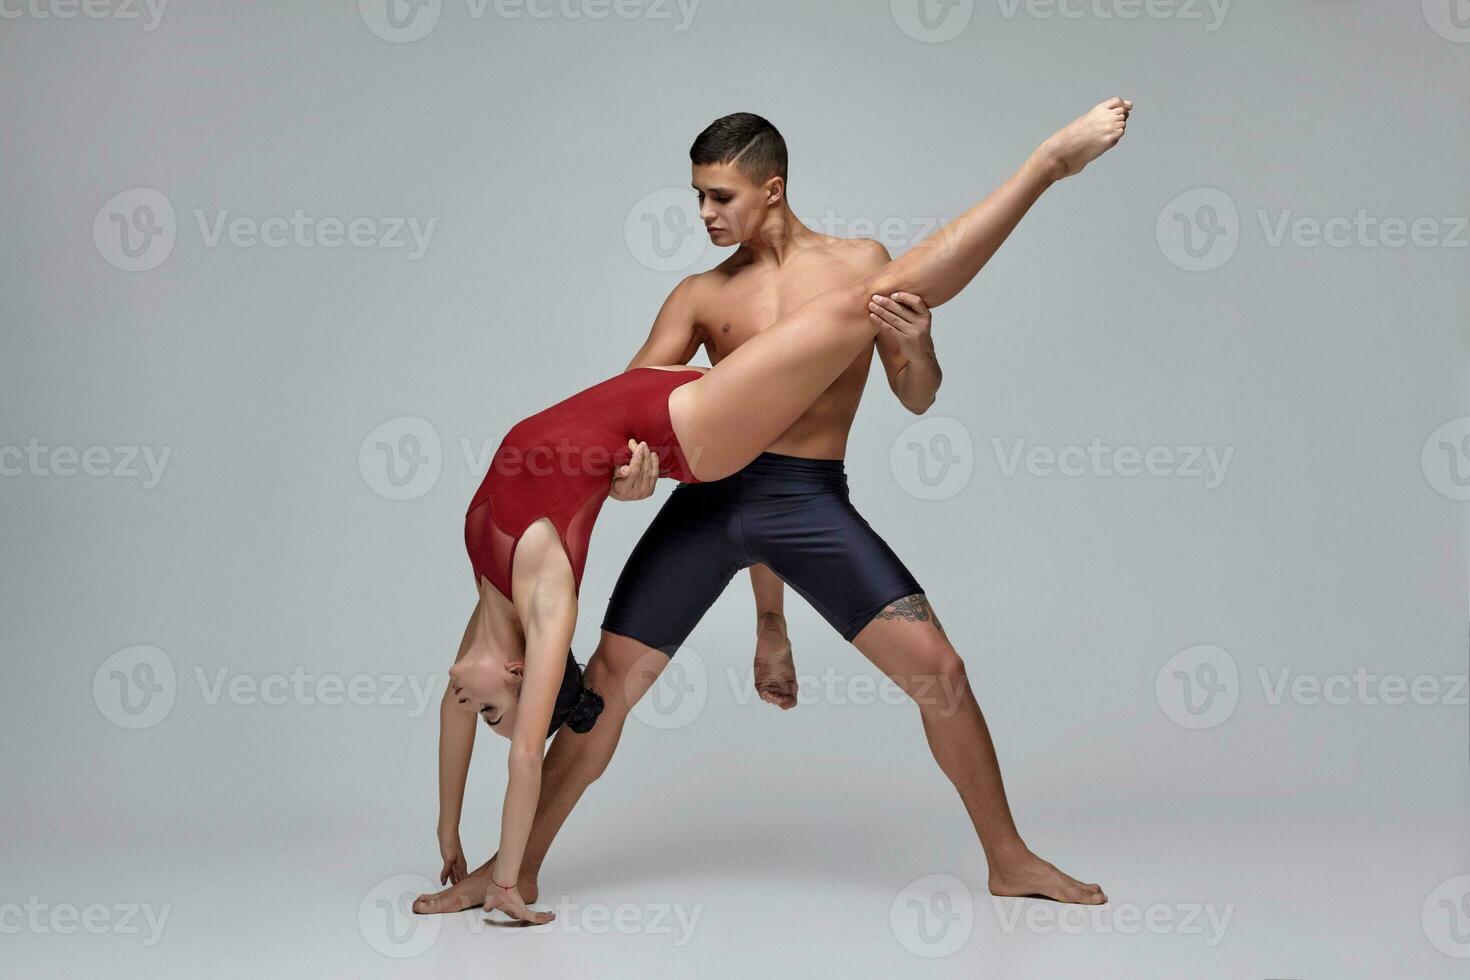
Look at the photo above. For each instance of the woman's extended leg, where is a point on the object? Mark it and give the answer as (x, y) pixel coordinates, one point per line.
(726, 418)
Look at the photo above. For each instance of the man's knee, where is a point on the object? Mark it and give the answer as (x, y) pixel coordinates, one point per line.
(934, 657)
(933, 673)
(622, 669)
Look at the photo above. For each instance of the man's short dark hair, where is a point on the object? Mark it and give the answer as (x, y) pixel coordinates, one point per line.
(745, 139)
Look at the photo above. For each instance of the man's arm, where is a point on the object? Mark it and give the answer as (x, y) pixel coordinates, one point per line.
(905, 344)
(675, 336)
(674, 339)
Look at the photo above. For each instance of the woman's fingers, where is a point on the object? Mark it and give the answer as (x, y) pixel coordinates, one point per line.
(519, 910)
(516, 909)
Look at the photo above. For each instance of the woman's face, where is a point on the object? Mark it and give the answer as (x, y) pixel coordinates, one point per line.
(487, 681)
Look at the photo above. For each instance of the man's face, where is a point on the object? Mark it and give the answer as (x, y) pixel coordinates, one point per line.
(730, 204)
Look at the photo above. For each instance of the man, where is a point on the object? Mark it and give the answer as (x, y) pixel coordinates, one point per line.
(786, 516)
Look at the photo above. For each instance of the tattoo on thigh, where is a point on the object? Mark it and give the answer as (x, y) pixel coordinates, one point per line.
(914, 608)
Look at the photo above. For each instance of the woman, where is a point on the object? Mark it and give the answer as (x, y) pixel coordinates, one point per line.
(529, 524)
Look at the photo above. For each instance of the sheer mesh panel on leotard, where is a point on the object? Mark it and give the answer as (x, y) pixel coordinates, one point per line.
(492, 550)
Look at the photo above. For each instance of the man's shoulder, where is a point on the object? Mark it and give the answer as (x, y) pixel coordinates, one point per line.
(721, 273)
(863, 254)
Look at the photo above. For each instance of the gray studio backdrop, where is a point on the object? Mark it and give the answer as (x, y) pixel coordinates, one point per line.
(1192, 501)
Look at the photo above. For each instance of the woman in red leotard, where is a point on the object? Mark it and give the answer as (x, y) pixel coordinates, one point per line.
(528, 525)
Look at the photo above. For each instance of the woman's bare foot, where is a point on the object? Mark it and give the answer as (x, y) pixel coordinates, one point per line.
(1028, 876)
(775, 673)
(468, 893)
(1088, 137)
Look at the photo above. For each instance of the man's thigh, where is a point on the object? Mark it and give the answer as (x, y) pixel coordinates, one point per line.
(829, 554)
(685, 559)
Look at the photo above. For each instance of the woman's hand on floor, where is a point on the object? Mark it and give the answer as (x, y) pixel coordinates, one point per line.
(509, 901)
(453, 854)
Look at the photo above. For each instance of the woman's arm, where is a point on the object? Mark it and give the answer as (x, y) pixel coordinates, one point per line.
(456, 743)
(550, 623)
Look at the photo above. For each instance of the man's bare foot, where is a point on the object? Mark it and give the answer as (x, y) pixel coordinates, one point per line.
(1028, 876)
(775, 673)
(468, 893)
(1088, 137)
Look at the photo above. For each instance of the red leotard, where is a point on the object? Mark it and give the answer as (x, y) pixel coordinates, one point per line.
(559, 463)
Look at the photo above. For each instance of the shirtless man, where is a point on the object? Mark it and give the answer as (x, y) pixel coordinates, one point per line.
(786, 516)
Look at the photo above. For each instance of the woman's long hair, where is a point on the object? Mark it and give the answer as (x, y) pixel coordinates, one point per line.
(576, 706)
